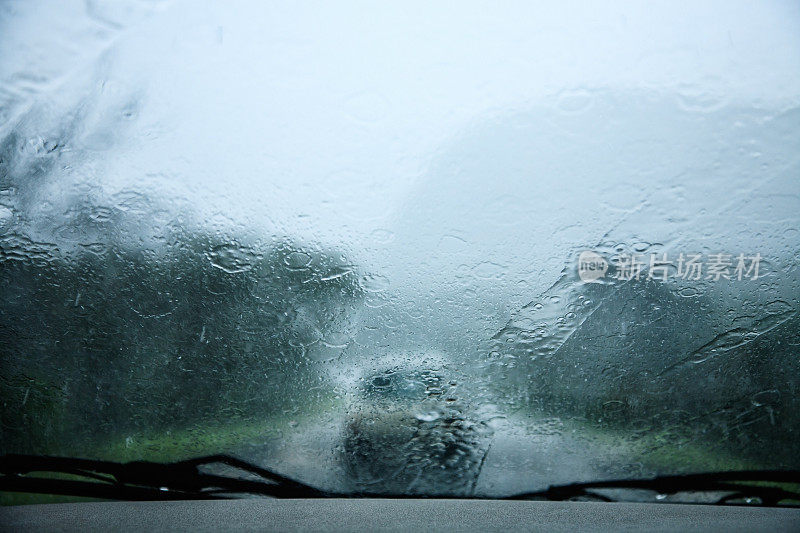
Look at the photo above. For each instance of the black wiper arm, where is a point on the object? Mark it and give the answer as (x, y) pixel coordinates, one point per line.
(145, 480)
(739, 484)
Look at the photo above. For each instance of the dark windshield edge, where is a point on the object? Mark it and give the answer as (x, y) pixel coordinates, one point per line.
(734, 482)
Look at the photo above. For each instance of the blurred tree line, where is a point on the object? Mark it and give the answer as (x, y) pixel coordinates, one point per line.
(718, 369)
(109, 339)
(122, 313)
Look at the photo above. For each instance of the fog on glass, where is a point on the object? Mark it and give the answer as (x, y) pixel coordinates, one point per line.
(342, 240)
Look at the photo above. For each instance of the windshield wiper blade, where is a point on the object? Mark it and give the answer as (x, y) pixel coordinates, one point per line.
(182, 480)
(145, 480)
(737, 484)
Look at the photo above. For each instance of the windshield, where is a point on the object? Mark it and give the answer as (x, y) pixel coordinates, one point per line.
(402, 248)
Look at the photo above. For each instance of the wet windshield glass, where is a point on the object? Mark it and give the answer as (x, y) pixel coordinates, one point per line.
(402, 248)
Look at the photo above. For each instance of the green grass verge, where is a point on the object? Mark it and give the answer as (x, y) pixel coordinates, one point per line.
(175, 445)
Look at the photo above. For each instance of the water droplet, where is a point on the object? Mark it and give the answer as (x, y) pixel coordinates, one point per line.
(696, 98)
(382, 236)
(374, 283)
(336, 340)
(777, 307)
(231, 258)
(428, 416)
(100, 214)
(336, 273)
(576, 101)
(297, 260)
(688, 292)
(488, 270)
